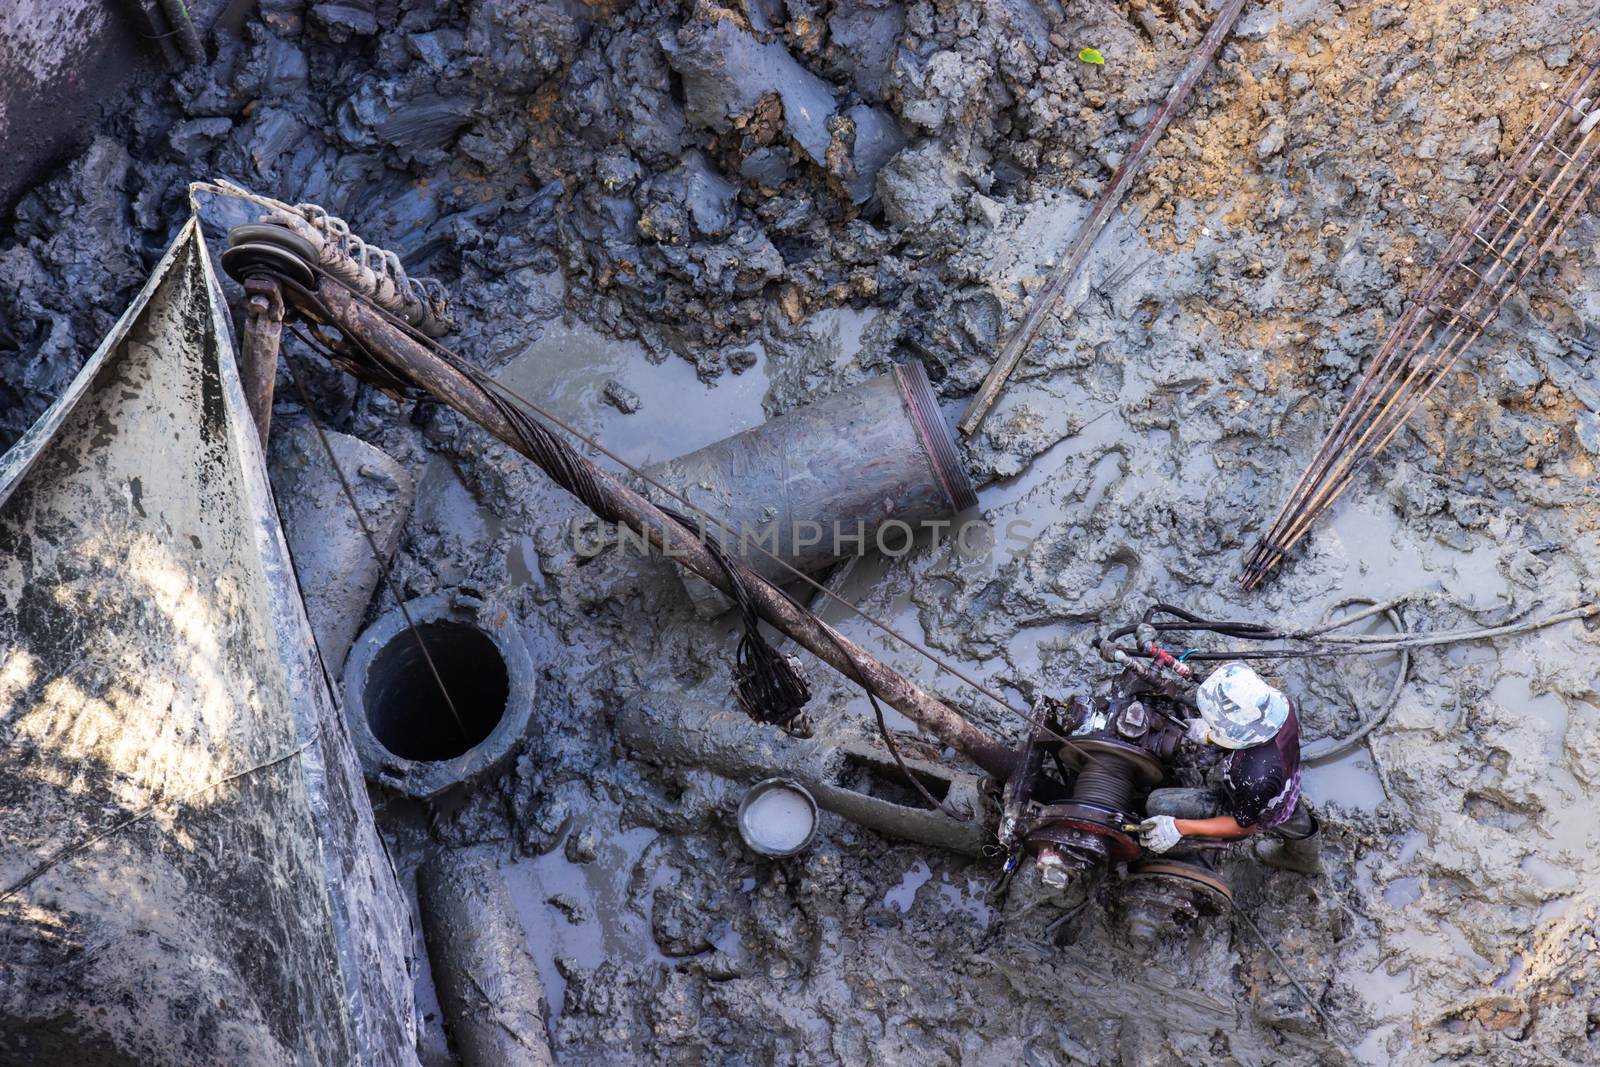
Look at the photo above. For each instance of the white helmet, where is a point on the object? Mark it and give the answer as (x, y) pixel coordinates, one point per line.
(1239, 708)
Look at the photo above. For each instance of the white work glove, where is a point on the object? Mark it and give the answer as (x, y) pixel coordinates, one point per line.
(1159, 833)
(1199, 732)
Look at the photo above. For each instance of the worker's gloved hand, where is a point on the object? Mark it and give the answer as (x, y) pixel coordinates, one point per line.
(1159, 833)
(1199, 732)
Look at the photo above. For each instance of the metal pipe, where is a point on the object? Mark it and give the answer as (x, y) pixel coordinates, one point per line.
(258, 355)
(856, 780)
(827, 480)
(415, 362)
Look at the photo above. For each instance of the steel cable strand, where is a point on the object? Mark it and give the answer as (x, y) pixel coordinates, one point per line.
(572, 472)
(372, 545)
(500, 392)
(740, 576)
(767, 684)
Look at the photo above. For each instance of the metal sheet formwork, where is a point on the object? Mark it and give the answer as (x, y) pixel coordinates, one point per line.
(189, 870)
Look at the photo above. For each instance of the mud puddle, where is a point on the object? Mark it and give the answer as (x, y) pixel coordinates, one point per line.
(566, 371)
(1146, 440)
(578, 915)
(953, 893)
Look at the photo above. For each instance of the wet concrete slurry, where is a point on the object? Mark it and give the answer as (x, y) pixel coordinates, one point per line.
(1137, 453)
(1375, 848)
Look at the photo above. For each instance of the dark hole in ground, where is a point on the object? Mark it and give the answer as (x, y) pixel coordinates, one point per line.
(405, 709)
(886, 782)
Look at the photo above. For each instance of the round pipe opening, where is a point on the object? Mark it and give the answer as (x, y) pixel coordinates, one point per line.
(405, 709)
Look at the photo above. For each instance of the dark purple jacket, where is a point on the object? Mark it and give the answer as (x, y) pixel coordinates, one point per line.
(1261, 784)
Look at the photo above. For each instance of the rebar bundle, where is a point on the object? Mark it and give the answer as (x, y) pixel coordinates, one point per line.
(1549, 177)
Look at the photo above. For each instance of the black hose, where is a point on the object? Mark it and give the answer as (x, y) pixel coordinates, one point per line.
(1188, 622)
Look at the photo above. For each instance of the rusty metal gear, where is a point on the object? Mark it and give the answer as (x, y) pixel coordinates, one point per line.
(1170, 894)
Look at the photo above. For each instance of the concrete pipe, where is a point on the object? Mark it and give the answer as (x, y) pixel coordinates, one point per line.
(853, 472)
(857, 780)
(404, 731)
(332, 561)
(487, 980)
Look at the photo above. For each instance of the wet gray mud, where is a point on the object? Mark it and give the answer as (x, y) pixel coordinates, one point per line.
(720, 212)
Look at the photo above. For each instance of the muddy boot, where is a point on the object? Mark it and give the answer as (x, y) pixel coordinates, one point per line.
(1302, 855)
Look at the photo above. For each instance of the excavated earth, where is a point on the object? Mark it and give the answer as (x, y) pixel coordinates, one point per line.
(712, 214)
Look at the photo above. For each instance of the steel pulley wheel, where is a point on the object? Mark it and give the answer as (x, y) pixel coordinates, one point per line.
(1191, 875)
(1080, 830)
(262, 248)
(273, 234)
(1162, 896)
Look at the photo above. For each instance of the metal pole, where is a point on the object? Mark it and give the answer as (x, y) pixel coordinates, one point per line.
(419, 364)
(1068, 268)
(258, 356)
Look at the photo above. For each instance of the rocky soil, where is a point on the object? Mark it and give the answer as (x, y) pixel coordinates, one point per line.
(797, 194)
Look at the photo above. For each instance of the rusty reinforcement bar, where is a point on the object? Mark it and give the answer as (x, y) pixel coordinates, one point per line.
(1548, 180)
(417, 363)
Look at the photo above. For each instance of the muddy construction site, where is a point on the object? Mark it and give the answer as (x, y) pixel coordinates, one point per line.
(670, 222)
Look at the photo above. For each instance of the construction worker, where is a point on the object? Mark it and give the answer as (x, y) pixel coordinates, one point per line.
(1259, 788)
